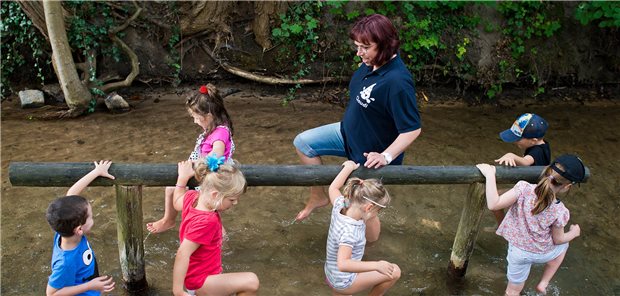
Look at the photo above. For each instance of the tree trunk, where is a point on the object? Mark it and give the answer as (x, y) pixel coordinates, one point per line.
(77, 96)
(263, 12)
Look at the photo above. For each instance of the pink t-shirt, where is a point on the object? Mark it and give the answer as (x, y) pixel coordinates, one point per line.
(204, 143)
(204, 228)
(529, 232)
(220, 133)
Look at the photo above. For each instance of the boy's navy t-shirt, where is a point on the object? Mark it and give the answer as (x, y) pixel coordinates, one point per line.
(541, 154)
(382, 105)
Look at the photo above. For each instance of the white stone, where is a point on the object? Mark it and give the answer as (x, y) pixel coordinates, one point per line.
(31, 98)
(116, 103)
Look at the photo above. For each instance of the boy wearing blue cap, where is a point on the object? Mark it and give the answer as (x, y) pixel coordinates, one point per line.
(527, 132)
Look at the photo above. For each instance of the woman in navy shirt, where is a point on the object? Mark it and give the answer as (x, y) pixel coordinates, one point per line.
(381, 119)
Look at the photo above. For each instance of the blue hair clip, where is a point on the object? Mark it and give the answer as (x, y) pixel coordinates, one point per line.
(213, 163)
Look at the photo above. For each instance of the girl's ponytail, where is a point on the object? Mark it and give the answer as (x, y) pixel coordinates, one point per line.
(544, 189)
(227, 179)
(349, 189)
(360, 191)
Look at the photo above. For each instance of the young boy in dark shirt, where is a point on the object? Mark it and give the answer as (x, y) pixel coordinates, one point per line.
(527, 133)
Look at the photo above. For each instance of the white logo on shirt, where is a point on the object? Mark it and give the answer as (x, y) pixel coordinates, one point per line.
(365, 96)
(87, 256)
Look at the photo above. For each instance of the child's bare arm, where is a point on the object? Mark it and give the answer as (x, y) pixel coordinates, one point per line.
(100, 170)
(512, 159)
(181, 263)
(560, 237)
(185, 172)
(334, 188)
(102, 284)
(345, 264)
(218, 148)
(494, 200)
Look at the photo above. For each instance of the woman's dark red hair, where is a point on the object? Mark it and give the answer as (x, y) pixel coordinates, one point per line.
(377, 29)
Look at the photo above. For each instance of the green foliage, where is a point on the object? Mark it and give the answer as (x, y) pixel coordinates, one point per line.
(175, 56)
(88, 34)
(299, 29)
(18, 34)
(605, 13)
(525, 20)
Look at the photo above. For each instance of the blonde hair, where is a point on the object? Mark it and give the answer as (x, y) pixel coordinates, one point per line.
(359, 191)
(544, 189)
(211, 102)
(228, 181)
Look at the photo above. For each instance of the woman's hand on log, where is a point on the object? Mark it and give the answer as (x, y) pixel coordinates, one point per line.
(375, 160)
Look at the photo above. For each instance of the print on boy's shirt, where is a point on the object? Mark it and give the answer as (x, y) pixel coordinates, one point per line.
(365, 94)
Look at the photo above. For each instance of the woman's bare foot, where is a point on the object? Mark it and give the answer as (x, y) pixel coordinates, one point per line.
(313, 203)
(542, 287)
(160, 226)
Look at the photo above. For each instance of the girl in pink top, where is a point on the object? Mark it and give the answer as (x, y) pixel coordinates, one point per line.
(534, 224)
(207, 109)
(198, 262)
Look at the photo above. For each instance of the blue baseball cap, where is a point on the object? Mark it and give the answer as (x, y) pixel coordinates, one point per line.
(528, 125)
(573, 171)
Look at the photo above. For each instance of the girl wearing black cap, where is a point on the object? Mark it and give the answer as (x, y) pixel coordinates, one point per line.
(534, 224)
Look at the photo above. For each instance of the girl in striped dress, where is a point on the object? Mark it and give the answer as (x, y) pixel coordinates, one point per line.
(352, 211)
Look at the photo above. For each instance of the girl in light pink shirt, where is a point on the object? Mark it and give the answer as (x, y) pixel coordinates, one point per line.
(534, 224)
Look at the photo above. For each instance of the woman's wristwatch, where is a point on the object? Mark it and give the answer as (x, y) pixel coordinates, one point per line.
(387, 156)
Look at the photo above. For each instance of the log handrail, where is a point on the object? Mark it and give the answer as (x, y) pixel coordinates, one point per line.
(56, 174)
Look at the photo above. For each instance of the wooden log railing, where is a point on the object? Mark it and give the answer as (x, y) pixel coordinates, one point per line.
(130, 177)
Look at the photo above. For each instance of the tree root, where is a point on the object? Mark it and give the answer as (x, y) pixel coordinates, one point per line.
(135, 63)
(266, 79)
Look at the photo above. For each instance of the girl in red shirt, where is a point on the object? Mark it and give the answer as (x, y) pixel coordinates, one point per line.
(198, 262)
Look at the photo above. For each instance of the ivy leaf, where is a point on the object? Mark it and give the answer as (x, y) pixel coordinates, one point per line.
(296, 29)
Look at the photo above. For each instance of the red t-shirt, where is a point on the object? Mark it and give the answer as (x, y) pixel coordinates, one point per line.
(204, 228)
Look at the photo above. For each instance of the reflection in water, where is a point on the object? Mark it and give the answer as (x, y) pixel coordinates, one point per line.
(418, 228)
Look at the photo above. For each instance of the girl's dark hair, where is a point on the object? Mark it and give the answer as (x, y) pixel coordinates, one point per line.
(66, 213)
(377, 29)
(356, 189)
(211, 102)
(544, 193)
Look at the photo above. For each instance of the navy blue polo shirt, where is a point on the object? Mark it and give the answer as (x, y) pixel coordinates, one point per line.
(382, 105)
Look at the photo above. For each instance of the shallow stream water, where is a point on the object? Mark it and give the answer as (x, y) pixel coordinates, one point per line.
(418, 228)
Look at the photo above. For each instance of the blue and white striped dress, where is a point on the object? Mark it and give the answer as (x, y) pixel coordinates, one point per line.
(343, 231)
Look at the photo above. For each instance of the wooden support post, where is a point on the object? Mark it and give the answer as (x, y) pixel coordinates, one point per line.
(129, 232)
(467, 231)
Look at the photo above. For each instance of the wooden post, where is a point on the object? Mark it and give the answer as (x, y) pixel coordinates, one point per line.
(129, 232)
(467, 231)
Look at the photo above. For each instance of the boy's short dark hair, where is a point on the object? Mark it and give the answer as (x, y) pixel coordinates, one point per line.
(66, 213)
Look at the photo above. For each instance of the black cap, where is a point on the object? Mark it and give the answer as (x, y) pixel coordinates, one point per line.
(574, 170)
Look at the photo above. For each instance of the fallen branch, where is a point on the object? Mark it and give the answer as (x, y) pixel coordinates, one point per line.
(266, 79)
